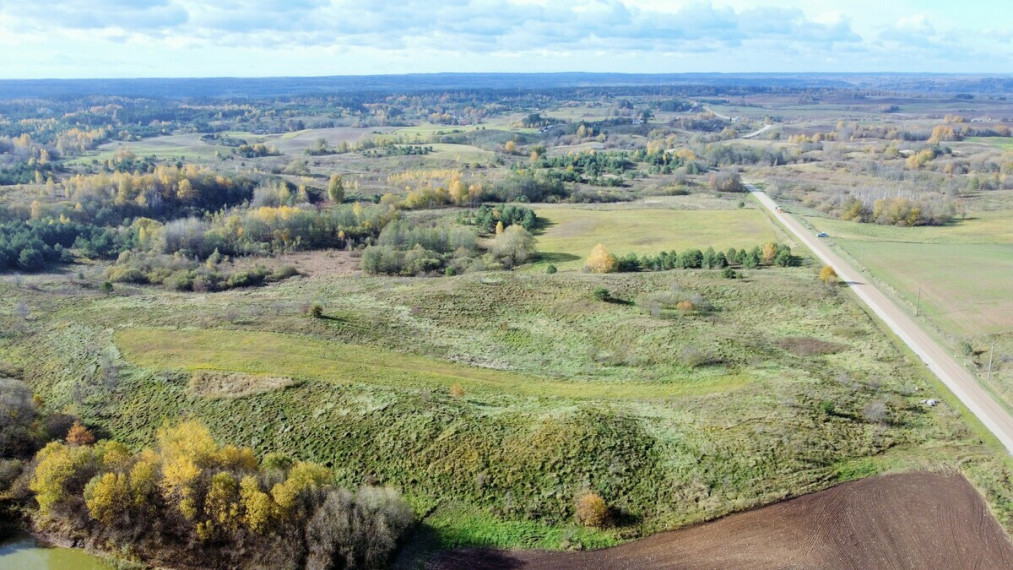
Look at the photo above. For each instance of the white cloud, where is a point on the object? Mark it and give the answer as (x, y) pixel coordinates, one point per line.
(483, 35)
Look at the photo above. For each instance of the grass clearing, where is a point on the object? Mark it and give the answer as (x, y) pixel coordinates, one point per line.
(187, 147)
(272, 354)
(1004, 143)
(570, 233)
(461, 152)
(212, 384)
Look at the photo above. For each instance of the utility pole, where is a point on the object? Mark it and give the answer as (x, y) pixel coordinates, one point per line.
(919, 301)
(991, 353)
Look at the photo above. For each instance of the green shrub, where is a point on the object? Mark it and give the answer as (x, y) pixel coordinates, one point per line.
(284, 272)
(551, 269)
(601, 294)
(248, 278)
(119, 274)
(316, 310)
(180, 281)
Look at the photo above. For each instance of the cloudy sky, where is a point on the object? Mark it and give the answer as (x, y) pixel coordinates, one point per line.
(184, 38)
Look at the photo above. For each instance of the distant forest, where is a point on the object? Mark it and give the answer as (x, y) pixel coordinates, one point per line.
(685, 84)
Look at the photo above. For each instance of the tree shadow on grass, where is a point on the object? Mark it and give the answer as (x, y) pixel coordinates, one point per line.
(541, 224)
(556, 257)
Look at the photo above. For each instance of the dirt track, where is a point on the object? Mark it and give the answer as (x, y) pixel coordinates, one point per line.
(917, 520)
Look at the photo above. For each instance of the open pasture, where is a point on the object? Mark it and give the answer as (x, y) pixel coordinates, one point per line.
(569, 233)
(184, 147)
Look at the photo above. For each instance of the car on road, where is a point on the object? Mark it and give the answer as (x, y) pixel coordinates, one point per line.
(822, 234)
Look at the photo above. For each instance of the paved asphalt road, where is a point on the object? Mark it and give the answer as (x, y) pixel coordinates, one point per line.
(939, 361)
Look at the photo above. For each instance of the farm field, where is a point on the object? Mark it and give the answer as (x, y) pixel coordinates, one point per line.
(570, 232)
(1005, 143)
(917, 520)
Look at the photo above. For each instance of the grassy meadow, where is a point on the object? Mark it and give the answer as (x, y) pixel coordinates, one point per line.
(774, 386)
(569, 233)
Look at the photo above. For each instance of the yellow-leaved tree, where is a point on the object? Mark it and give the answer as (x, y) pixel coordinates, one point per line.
(58, 465)
(601, 261)
(185, 449)
(259, 509)
(107, 497)
(828, 275)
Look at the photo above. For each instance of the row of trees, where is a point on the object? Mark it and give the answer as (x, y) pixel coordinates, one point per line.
(601, 261)
(898, 211)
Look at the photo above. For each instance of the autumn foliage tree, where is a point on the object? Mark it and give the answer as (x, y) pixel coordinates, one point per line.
(79, 435)
(193, 500)
(828, 275)
(336, 189)
(592, 510)
(601, 261)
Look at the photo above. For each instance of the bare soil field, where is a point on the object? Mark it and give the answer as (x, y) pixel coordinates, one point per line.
(914, 520)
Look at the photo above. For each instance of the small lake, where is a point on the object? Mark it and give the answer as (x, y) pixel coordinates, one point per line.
(22, 552)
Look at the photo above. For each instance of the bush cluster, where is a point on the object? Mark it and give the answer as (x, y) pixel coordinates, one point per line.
(180, 273)
(192, 502)
(405, 250)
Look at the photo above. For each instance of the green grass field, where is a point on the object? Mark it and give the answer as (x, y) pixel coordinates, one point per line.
(186, 147)
(990, 227)
(461, 153)
(570, 233)
(967, 295)
(1004, 143)
(262, 353)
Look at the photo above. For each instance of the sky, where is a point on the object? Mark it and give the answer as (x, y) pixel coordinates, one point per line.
(274, 38)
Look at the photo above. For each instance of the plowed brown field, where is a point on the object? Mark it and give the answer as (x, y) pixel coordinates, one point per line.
(915, 520)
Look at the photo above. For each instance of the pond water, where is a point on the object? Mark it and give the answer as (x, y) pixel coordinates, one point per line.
(22, 552)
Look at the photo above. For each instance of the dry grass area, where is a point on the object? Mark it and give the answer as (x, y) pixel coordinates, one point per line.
(215, 384)
(807, 346)
(323, 263)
